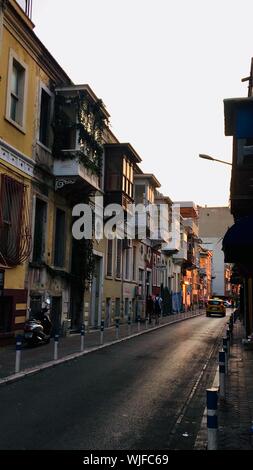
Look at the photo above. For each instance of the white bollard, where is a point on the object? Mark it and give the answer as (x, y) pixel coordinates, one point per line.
(212, 419)
(18, 354)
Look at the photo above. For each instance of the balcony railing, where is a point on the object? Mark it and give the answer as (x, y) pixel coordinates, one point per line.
(192, 224)
(73, 170)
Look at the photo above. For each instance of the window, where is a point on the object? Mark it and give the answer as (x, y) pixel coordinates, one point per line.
(39, 231)
(118, 260)
(109, 257)
(60, 236)
(134, 263)
(126, 307)
(148, 284)
(215, 302)
(113, 175)
(127, 179)
(141, 281)
(150, 194)
(6, 315)
(127, 263)
(35, 304)
(117, 307)
(124, 184)
(12, 201)
(17, 89)
(158, 273)
(45, 117)
(154, 271)
(139, 193)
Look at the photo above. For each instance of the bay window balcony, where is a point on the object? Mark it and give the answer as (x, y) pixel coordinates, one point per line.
(120, 163)
(73, 171)
(80, 119)
(181, 255)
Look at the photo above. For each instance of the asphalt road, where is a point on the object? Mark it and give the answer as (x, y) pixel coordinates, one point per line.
(145, 393)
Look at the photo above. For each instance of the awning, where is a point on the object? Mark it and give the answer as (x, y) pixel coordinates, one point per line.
(238, 111)
(238, 242)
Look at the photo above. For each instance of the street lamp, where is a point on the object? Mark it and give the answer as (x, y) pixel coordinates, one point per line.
(208, 157)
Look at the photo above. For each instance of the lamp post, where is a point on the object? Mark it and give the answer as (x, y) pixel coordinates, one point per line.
(208, 157)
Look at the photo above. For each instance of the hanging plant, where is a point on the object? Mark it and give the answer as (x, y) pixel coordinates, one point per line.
(90, 124)
(83, 263)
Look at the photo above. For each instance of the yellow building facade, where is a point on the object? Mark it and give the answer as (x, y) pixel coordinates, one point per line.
(28, 75)
(16, 167)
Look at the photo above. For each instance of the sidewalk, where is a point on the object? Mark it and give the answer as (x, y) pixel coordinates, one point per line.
(70, 345)
(235, 415)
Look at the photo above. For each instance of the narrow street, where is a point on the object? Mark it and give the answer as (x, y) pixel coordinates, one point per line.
(145, 393)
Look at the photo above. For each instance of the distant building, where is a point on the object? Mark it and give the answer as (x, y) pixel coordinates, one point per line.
(213, 224)
(205, 274)
(190, 267)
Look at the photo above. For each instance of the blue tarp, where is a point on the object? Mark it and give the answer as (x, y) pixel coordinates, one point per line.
(177, 302)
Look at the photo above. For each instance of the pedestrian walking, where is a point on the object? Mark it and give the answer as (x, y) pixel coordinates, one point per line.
(157, 309)
(149, 308)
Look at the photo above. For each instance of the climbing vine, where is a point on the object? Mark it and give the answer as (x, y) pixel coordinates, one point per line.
(83, 263)
(83, 260)
(78, 113)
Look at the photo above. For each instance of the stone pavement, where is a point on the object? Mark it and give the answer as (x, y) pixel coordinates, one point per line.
(235, 414)
(37, 356)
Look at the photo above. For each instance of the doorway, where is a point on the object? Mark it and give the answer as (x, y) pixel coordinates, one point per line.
(108, 312)
(96, 293)
(56, 315)
(6, 315)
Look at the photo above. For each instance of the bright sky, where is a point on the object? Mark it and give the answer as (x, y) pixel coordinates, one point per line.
(162, 68)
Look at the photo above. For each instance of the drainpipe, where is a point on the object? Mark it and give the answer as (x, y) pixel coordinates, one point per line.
(3, 6)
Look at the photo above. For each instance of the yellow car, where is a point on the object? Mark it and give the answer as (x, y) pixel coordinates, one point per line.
(216, 307)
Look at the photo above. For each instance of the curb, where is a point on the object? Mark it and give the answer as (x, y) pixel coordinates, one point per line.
(201, 439)
(47, 365)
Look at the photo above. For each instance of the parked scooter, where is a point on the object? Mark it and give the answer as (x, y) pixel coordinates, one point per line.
(38, 330)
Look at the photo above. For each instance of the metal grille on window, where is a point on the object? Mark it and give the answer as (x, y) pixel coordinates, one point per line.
(15, 230)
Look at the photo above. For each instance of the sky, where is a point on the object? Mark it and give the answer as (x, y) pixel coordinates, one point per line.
(162, 68)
